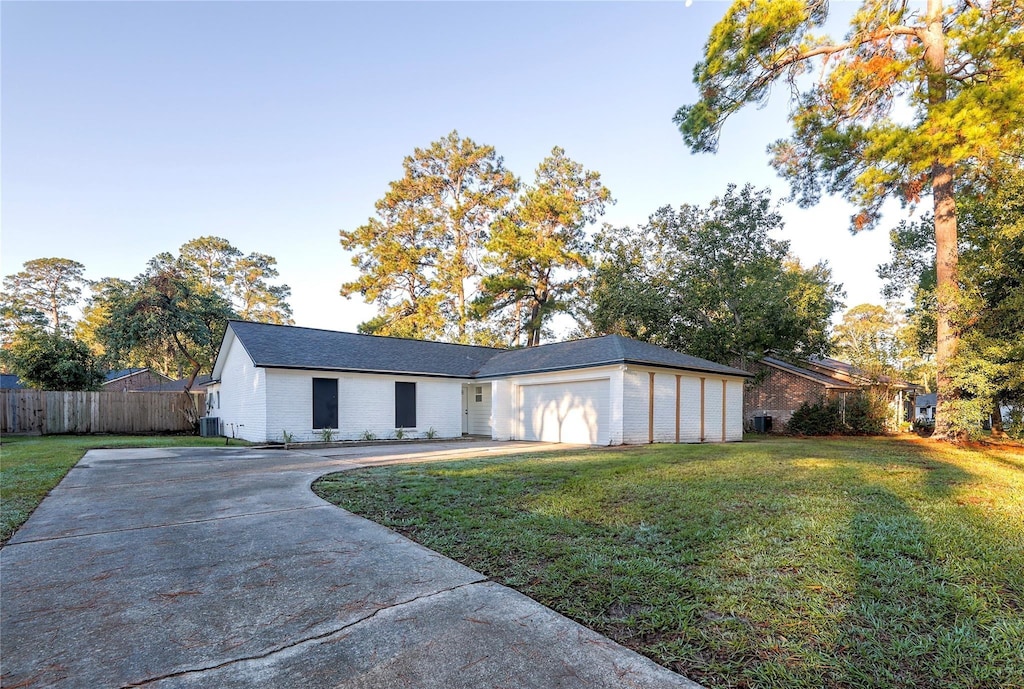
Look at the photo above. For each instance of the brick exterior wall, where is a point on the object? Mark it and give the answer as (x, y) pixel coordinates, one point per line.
(778, 394)
(135, 381)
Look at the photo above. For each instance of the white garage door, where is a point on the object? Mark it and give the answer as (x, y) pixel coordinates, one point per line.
(566, 412)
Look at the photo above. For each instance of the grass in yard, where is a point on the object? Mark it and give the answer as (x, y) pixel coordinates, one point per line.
(774, 563)
(30, 466)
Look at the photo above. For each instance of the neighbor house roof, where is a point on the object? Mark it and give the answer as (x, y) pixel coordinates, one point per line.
(122, 373)
(596, 351)
(9, 381)
(928, 400)
(827, 381)
(176, 385)
(849, 371)
(277, 346)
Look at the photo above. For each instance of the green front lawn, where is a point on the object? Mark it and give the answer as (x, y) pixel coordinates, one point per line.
(30, 466)
(785, 563)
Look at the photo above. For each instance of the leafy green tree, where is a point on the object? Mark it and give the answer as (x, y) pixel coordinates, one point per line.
(419, 259)
(96, 314)
(538, 253)
(42, 293)
(165, 308)
(914, 98)
(51, 361)
(878, 340)
(712, 282)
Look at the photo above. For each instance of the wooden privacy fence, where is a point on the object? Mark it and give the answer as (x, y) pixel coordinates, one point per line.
(39, 411)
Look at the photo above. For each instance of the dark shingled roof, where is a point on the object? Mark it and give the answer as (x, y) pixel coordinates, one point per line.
(596, 351)
(122, 373)
(277, 346)
(9, 381)
(201, 382)
(827, 381)
(282, 346)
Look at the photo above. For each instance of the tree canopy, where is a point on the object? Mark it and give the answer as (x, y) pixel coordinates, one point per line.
(51, 361)
(912, 100)
(712, 282)
(420, 258)
(538, 253)
(164, 308)
(41, 294)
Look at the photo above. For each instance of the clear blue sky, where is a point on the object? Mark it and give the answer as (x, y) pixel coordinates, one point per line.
(131, 127)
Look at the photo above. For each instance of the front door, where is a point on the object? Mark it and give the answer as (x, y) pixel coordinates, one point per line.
(465, 410)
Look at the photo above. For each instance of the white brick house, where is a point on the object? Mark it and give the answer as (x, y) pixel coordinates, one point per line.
(272, 380)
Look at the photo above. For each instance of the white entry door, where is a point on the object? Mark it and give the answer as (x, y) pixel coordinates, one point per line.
(479, 409)
(574, 412)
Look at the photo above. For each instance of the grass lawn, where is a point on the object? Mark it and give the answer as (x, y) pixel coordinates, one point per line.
(772, 563)
(30, 466)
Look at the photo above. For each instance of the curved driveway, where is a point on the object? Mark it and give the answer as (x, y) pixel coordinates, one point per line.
(199, 567)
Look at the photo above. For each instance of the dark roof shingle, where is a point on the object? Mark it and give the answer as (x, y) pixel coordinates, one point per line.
(280, 346)
(276, 346)
(596, 351)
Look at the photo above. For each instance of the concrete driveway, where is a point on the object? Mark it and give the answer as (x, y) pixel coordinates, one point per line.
(199, 567)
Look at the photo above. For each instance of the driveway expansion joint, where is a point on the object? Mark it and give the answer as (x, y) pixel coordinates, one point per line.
(307, 640)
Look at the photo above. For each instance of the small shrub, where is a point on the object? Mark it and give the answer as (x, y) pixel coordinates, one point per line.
(817, 418)
(431, 433)
(287, 437)
(866, 414)
(367, 435)
(399, 433)
(924, 427)
(326, 434)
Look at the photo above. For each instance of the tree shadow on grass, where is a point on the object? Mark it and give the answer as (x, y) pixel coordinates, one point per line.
(786, 563)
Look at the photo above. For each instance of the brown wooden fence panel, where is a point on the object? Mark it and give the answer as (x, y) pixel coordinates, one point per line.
(38, 411)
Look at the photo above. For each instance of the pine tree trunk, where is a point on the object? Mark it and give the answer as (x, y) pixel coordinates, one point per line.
(946, 251)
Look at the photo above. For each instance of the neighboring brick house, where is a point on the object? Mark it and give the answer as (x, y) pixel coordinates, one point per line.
(132, 379)
(780, 387)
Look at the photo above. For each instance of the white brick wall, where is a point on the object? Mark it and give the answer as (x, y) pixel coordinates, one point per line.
(664, 408)
(242, 396)
(635, 399)
(734, 409)
(502, 406)
(712, 410)
(366, 402)
(689, 411)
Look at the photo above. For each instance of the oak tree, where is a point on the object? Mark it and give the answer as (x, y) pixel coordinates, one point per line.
(51, 361)
(713, 283)
(165, 308)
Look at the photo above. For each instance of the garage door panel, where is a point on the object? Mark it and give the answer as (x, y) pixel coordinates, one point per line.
(566, 412)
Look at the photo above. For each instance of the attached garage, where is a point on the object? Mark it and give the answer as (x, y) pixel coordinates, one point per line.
(566, 412)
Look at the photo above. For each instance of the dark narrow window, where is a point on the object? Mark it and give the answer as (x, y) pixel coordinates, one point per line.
(405, 405)
(325, 403)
